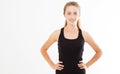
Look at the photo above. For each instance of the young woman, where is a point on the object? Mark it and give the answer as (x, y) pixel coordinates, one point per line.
(71, 41)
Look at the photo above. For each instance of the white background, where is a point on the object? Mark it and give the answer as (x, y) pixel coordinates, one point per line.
(26, 24)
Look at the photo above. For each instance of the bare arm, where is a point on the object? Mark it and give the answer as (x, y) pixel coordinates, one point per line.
(96, 48)
(46, 46)
(52, 38)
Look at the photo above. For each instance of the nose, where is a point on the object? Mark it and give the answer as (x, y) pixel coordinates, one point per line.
(72, 16)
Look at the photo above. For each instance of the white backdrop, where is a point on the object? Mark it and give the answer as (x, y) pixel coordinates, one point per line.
(26, 24)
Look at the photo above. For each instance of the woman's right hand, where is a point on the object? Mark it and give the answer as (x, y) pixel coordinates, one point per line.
(58, 66)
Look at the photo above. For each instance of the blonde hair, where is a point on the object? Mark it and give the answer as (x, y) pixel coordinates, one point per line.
(72, 3)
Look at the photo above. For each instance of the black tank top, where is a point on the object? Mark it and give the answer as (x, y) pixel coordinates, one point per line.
(70, 50)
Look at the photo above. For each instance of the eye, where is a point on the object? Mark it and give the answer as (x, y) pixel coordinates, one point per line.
(69, 13)
(75, 13)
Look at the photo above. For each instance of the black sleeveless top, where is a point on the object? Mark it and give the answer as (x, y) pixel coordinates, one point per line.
(70, 49)
(70, 52)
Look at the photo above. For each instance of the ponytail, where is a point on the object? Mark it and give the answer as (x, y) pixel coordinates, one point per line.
(78, 23)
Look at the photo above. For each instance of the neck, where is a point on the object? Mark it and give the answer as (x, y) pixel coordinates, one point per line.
(73, 26)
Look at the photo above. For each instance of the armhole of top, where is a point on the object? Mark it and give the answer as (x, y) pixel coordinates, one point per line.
(60, 33)
(82, 33)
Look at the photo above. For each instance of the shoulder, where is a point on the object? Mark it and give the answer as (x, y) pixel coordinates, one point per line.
(86, 36)
(55, 34)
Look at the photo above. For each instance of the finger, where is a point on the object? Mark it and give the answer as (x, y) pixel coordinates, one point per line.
(59, 68)
(80, 62)
(80, 65)
(83, 67)
(60, 62)
(61, 65)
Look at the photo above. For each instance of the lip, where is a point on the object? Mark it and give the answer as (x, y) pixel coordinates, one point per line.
(72, 20)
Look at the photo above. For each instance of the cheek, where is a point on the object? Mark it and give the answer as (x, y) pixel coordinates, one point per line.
(75, 16)
(67, 16)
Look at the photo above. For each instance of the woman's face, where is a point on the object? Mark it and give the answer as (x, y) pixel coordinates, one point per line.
(72, 14)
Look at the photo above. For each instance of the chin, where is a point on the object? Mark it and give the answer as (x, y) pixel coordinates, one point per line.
(72, 23)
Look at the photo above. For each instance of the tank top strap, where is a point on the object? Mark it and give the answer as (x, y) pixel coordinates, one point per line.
(61, 34)
(81, 34)
(62, 31)
(79, 30)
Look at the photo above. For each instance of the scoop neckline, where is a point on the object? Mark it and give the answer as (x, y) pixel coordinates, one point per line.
(72, 38)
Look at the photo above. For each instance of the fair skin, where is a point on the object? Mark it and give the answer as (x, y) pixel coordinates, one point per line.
(71, 32)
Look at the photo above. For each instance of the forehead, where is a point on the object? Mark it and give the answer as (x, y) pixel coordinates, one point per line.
(72, 8)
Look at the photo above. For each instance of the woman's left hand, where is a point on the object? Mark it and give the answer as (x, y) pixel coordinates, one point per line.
(82, 65)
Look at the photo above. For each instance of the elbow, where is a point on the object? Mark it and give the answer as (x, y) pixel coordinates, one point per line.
(43, 51)
(99, 53)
